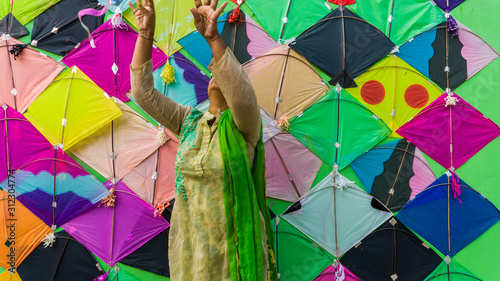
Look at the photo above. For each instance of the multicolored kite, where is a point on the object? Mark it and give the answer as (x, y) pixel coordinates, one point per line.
(394, 173)
(189, 86)
(27, 233)
(448, 59)
(55, 188)
(394, 91)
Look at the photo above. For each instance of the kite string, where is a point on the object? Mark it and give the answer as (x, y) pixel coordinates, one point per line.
(95, 13)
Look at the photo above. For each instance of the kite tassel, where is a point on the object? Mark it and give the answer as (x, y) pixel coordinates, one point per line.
(236, 16)
(118, 22)
(109, 201)
(49, 240)
(339, 273)
(284, 123)
(455, 186)
(161, 137)
(159, 208)
(450, 101)
(452, 26)
(102, 277)
(17, 49)
(168, 74)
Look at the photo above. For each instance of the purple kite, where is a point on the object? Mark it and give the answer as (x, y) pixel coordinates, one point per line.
(20, 141)
(108, 64)
(448, 5)
(114, 232)
(450, 131)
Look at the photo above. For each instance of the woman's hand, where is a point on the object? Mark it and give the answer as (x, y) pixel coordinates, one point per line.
(145, 17)
(205, 18)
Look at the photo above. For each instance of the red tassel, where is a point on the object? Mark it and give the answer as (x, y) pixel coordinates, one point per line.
(342, 2)
(236, 16)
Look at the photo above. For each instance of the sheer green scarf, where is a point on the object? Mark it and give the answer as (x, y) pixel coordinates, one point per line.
(244, 197)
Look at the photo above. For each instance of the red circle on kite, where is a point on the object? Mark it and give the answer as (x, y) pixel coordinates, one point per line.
(373, 92)
(416, 96)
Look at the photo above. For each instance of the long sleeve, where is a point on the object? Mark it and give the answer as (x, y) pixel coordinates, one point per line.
(163, 109)
(239, 94)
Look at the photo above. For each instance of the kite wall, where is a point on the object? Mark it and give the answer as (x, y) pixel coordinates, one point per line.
(298, 124)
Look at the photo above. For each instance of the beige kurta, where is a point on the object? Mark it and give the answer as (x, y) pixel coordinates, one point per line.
(197, 241)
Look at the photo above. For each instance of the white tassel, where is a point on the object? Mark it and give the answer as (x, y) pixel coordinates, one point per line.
(451, 101)
(161, 137)
(118, 22)
(49, 240)
(340, 274)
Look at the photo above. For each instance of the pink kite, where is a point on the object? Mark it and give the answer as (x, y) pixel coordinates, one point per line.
(450, 131)
(154, 179)
(121, 145)
(108, 64)
(290, 167)
(26, 74)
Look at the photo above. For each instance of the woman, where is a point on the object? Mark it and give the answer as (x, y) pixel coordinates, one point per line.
(220, 225)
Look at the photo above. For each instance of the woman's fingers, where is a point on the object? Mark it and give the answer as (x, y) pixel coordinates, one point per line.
(207, 2)
(195, 13)
(219, 11)
(197, 3)
(132, 7)
(213, 5)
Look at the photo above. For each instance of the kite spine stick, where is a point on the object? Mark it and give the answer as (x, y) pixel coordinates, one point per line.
(11, 72)
(397, 175)
(281, 84)
(8, 168)
(284, 22)
(60, 257)
(393, 114)
(449, 228)
(286, 169)
(155, 176)
(391, 19)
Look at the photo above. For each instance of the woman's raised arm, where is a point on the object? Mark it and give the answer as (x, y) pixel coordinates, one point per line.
(164, 110)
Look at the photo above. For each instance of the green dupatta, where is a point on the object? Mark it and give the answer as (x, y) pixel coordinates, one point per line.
(244, 197)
